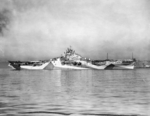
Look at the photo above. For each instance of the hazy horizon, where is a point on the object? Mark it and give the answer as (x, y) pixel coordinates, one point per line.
(43, 29)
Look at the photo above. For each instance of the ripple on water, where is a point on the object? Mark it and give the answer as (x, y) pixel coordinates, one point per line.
(74, 93)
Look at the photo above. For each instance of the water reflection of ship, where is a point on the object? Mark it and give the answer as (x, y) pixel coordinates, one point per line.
(30, 65)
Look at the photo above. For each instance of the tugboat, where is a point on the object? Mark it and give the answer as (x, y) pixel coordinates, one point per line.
(29, 65)
(72, 60)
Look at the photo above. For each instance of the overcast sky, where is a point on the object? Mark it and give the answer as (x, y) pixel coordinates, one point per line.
(43, 29)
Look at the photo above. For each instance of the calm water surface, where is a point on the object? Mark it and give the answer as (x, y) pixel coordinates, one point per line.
(75, 93)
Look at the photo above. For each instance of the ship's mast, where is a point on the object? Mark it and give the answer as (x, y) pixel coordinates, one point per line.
(133, 57)
(107, 56)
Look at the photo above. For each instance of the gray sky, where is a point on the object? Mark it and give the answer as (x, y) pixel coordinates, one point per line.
(42, 29)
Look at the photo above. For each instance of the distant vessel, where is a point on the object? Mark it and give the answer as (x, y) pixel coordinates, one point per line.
(147, 66)
(29, 65)
(72, 60)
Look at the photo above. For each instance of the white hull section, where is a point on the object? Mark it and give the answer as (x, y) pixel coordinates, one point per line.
(120, 66)
(92, 66)
(11, 66)
(102, 67)
(41, 67)
(58, 65)
(69, 67)
(124, 67)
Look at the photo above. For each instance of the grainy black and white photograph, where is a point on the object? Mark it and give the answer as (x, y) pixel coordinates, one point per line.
(74, 57)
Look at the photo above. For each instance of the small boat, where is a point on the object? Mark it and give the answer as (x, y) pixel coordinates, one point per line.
(29, 65)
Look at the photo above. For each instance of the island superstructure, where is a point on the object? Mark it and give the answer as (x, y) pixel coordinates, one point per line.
(72, 60)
